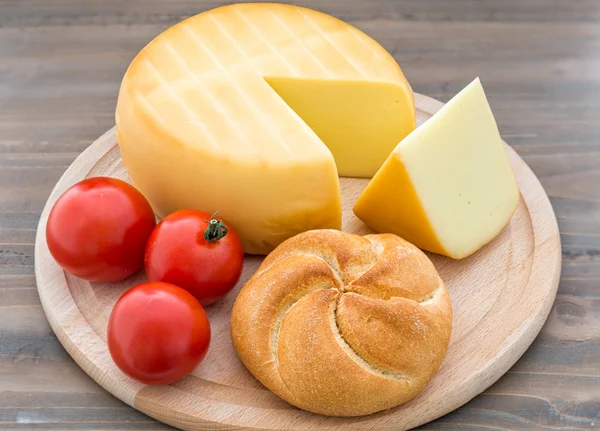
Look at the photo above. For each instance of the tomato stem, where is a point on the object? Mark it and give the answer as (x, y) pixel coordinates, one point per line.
(215, 230)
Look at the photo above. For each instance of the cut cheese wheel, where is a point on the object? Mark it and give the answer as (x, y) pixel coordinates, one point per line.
(248, 108)
(448, 187)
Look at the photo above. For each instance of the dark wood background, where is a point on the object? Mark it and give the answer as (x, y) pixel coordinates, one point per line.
(61, 62)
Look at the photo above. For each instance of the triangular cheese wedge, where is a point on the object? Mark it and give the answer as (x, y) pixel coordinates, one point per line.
(448, 186)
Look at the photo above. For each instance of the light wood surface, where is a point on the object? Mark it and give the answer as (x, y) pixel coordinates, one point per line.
(501, 297)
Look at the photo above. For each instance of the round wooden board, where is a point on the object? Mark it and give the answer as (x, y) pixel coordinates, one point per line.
(501, 297)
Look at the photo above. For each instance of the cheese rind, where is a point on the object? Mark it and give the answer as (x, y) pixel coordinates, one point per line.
(208, 117)
(448, 186)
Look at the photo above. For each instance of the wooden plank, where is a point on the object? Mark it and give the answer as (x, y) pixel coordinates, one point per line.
(81, 12)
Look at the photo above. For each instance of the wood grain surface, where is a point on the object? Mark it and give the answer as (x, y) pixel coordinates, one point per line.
(61, 62)
(501, 297)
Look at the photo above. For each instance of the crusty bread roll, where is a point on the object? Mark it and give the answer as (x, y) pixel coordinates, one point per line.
(343, 325)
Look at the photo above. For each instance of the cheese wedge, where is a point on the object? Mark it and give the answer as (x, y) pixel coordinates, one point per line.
(448, 186)
(248, 108)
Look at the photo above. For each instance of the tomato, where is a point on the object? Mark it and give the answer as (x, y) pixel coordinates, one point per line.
(98, 229)
(195, 251)
(157, 333)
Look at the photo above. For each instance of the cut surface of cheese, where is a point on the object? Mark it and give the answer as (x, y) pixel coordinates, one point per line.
(448, 186)
(247, 109)
(349, 117)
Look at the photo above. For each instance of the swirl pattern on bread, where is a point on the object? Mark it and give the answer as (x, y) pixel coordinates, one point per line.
(343, 325)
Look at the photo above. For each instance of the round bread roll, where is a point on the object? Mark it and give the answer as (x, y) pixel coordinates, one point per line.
(343, 325)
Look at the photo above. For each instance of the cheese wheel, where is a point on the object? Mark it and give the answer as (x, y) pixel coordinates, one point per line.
(254, 110)
(343, 325)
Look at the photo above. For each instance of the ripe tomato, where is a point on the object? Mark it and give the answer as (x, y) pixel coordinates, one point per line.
(98, 229)
(195, 251)
(157, 333)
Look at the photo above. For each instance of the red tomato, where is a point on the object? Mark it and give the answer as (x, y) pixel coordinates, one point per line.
(195, 251)
(157, 333)
(98, 229)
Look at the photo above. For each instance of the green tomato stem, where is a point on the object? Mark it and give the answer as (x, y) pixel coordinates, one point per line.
(215, 230)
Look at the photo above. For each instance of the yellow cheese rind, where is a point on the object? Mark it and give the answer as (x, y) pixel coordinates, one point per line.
(390, 204)
(448, 186)
(258, 212)
(200, 127)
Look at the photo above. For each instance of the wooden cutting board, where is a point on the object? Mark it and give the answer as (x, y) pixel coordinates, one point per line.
(501, 297)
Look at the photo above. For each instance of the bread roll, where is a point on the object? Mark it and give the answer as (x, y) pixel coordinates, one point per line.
(343, 325)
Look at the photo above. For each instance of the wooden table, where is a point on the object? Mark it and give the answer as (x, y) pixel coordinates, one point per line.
(61, 62)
